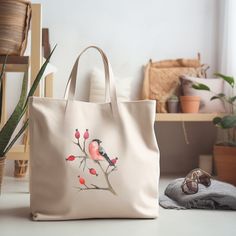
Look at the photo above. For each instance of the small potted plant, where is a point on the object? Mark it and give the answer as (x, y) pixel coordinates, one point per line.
(173, 104)
(6, 133)
(225, 149)
(190, 104)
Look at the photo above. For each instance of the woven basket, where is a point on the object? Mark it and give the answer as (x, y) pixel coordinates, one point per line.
(15, 18)
(21, 167)
(2, 165)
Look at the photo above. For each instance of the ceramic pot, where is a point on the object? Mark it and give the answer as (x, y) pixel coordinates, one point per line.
(190, 104)
(173, 106)
(225, 163)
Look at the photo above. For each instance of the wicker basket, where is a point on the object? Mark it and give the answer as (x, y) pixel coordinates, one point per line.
(21, 167)
(15, 18)
(2, 165)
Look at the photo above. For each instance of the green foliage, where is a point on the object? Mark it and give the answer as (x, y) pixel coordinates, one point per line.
(227, 122)
(228, 79)
(20, 109)
(218, 96)
(200, 86)
(173, 98)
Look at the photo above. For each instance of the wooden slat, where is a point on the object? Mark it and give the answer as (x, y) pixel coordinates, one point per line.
(198, 117)
(15, 60)
(36, 43)
(15, 63)
(18, 153)
(49, 85)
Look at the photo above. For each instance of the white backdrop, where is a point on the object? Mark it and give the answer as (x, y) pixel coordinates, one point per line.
(131, 32)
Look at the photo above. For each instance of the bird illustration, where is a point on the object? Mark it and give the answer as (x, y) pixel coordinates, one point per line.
(98, 153)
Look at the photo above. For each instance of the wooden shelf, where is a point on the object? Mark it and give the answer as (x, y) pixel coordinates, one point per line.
(15, 63)
(198, 117)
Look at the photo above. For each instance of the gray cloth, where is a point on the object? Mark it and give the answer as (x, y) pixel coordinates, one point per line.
(218, 195)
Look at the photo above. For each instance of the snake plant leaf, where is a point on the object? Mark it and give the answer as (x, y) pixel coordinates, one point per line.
(228, 79)
(38, 78)
(20, 132)
(11, 124)
(20, 109)
(200, 86)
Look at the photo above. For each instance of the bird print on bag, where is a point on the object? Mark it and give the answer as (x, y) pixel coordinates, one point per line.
(93, 158)
(98, 153)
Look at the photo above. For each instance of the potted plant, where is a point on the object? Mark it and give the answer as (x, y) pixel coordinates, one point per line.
(225, 149)
(190, 104)
(173, 104)
(6, 133)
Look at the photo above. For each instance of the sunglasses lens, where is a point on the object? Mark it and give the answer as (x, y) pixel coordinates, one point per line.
(190, 187)
(205, 180)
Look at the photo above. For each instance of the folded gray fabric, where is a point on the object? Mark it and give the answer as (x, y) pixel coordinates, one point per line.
(218, 195)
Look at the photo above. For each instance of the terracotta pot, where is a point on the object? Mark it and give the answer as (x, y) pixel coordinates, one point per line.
(2, 165)
(225, 163)
(190, 104)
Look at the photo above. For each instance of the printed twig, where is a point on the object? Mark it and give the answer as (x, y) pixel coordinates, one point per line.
(110, 188)
(114, 169)
(105, 173)
(92, 188)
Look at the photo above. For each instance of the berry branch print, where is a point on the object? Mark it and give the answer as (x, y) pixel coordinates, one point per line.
(93, 154)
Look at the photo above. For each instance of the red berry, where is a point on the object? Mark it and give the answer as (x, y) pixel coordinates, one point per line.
(114, 160)
(77, 134)
(70, 158)
(81, 180)
(93, 171)
(86, 134)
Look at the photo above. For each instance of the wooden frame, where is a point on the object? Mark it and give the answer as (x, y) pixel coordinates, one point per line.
(20, 64)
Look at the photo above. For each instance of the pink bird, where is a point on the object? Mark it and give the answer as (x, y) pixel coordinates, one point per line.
(98, 153)
(94, 151)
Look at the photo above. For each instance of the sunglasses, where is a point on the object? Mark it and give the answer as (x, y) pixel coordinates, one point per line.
(193, 178)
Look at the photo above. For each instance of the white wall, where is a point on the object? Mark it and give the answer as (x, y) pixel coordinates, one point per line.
(131, 32)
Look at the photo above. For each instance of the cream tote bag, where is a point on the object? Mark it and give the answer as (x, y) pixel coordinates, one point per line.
(90, 160)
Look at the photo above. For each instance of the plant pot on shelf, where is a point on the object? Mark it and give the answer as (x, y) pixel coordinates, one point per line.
(2, 167)
(225, 163)
(190, 104)
(21, 167)
(173, 104)
(15, 22)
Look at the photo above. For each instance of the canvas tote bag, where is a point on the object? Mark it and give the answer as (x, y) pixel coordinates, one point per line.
(93, 160)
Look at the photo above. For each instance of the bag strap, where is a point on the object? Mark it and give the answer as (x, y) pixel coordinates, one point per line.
(110, 89)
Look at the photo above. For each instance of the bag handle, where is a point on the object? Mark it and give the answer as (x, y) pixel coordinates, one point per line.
(110, 89)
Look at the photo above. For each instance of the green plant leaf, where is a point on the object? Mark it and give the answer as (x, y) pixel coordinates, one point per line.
(232, 99)
(218, 96)
(228, 79)
(21, 131)
(38, 78)
(228, 122)
(11, 124)
(217, 120)
(201, 87)
(20, 109)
